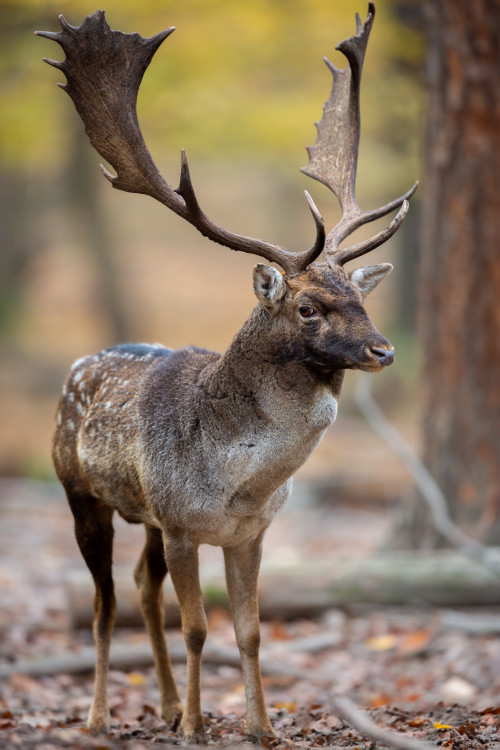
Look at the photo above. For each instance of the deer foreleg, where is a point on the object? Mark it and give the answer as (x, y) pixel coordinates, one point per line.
(242, 570)
(181, 556)
(149, 574)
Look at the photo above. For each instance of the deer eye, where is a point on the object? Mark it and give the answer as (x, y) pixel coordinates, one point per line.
(306, 311)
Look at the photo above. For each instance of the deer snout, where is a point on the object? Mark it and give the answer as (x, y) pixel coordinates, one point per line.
(384, 355)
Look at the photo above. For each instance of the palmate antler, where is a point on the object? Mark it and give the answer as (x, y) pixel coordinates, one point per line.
(104, 70)
(333, 158)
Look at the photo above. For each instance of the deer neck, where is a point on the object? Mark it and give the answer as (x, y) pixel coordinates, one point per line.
(264, 374)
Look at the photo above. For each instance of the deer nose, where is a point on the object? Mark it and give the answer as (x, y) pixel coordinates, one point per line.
(385, 355)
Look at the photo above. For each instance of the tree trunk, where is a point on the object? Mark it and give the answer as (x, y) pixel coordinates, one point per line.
(459, 286)
(83, 176)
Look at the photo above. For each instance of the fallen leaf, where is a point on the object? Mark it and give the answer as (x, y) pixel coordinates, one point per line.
(437, 725)
(468, 729)
(136, 678)
(418, 721)
(379, 700)
(380, 643)
(414, 641)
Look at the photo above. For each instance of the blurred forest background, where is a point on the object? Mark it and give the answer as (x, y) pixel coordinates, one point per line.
(239, 86)
(82, 267)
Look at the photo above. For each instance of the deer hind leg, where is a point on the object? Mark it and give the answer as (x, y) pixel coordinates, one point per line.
(242, 570)
(94, 534)
(182, 562)
(149, 574)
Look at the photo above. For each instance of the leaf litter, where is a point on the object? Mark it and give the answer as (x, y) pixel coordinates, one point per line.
(409, 668)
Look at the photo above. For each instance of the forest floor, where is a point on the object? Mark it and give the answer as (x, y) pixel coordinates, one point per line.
(429, 673)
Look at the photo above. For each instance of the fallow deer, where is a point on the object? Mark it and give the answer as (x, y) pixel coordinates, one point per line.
(197, 446)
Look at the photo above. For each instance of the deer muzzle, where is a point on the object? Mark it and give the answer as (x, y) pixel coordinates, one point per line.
(383, 355)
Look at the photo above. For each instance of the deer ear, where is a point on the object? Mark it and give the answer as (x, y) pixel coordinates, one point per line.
(366, 279)
(269, 286)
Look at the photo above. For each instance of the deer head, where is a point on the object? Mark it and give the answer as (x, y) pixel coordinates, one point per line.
(318, 304)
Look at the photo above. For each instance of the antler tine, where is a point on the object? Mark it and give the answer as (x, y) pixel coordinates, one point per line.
(349, 223)
(333, 158)
(104, 69)
(292, 263)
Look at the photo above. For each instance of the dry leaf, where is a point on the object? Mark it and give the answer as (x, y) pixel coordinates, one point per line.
(419, 721)
(136, 678)
(414, 641)
(380, 642)
(380, 700)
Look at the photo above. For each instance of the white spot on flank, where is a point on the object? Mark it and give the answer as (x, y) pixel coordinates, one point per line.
(70, 425)
(81, 387)
(71, 396)
(78, 376)
(108, 404)
(59, 418)
(80, 408)
(64, 390)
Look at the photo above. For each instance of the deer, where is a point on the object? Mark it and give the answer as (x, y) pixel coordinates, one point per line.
(201, 447)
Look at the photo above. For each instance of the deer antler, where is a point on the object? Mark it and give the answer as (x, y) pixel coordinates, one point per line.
(104, 70)
(333, 158)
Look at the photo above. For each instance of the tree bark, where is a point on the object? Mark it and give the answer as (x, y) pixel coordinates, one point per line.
(459, 285)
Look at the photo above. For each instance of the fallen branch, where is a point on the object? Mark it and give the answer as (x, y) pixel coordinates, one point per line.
(443, 578)
(360, 721)
(127, 657)
(473, 623)
(430, 491)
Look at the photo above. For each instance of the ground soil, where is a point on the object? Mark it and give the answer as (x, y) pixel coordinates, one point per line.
(414, 670)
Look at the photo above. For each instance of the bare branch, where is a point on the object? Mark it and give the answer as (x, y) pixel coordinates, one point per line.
(431, 493)
(362, 722)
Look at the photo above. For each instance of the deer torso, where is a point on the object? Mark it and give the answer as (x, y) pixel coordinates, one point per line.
(190, 438)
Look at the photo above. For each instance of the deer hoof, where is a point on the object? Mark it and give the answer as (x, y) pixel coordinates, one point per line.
(99, 722)
(173, 714)
(196, 736)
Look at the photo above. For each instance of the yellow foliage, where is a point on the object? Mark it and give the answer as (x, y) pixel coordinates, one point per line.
(242, 78)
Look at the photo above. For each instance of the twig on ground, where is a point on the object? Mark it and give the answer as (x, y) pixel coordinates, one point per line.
(360, 721)
(431, 493)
